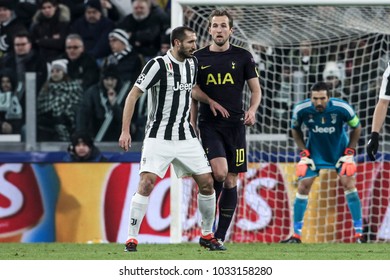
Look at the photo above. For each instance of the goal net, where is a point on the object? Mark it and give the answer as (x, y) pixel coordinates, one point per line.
(295, 46)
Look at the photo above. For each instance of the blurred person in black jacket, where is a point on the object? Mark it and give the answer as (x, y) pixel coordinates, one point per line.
(101, 108)
(81, 66)
(82, 149)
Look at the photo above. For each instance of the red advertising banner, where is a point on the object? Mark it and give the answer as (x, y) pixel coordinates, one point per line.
(89, 202)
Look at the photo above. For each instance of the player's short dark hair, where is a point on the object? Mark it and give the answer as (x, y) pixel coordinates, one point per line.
(221, 13)
(320, 86)
(179, 33)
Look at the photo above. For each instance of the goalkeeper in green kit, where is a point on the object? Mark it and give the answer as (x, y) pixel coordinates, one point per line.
(327, 147)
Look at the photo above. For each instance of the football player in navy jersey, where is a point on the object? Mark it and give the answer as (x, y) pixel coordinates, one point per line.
(223, 70)
(169, 136)
(328, 147)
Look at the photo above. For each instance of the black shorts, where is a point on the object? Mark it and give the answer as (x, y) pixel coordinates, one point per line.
(227, 142)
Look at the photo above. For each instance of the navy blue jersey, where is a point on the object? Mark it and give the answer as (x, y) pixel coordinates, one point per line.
(222, 76)
(327, 133)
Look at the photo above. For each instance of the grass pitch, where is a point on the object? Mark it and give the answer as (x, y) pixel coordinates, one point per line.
(192, 251)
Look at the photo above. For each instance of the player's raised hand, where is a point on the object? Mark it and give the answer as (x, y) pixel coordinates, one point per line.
(125, 141)
(372, 145)
(215, 106)
(250, 118)
(347, 163)
(304, 163)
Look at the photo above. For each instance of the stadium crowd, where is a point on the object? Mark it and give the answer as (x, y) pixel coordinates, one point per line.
(85, 53)
(103, 44)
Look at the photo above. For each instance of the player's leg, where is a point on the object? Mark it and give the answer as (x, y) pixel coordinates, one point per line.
(354, 205)
(206, 202)
(300, 206)
(227, 206)
(156, 157)
(213, 144)
(138, 206)
(234, 142)
(220, 171)
(191, 159)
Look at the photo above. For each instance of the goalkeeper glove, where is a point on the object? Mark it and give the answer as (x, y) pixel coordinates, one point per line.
(348, 163)
(305, 162)
(372, 145)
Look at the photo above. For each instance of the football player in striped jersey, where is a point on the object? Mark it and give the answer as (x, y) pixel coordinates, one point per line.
(379, 115)
(169, 136)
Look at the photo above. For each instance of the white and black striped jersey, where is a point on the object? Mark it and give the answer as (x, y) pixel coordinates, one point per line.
(384, 92)
(168, 83)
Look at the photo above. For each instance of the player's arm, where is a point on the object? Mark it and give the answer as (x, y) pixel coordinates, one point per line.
(346, 161)
(297, 135)
(128, 111)
(305, 160)
(379, 115)
(377, 123)
(201, 96)
(354, 136)
(250, 115)
(194, 115)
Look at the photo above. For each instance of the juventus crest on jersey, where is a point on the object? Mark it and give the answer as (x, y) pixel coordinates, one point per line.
(168, 83)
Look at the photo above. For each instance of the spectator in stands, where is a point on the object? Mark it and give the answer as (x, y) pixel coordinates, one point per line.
(82, 149)
(165, 43)
(76, 8)
(57, 104)
(333, 77)
(124, 7)
(128, 62)
(9, 25)
(94, 28)
(164, 4)
(50, 28)
(110, 10)
(100, 113)
(22, 60)
(25, 10)
(282, 101)
(11, 112)
(81, 66)
(145, 25)
(307, 65)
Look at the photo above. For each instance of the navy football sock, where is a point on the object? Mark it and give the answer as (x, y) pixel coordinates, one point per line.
(227, 206)
(218, 189)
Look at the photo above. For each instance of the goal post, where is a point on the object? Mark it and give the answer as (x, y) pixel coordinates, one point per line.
(295, 44)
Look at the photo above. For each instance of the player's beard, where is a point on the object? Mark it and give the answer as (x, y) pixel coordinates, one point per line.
(320, 108)
(184, 54)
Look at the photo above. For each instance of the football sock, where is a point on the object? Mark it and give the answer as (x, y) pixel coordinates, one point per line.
(300, 205)
(138, 207)
(207, 210)
(355, 208)
(218, 189)
(227, 206)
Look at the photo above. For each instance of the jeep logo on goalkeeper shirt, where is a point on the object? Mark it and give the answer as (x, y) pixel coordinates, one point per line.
(328, 130)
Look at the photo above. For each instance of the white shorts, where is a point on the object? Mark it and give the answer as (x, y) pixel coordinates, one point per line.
(187, 157)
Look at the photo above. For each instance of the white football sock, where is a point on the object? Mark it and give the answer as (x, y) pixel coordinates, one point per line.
(207, 210)
(138, 207)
